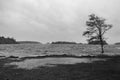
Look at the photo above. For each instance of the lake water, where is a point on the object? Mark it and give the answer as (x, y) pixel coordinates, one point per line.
(25, 50)
(50, 62)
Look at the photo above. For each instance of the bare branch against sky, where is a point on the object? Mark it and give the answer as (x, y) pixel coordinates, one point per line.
(53, 20)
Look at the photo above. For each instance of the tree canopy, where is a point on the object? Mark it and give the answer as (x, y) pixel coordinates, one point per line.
(96, 28)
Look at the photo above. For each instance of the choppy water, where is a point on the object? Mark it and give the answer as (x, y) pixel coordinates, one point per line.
(25, 50)
(50, 62)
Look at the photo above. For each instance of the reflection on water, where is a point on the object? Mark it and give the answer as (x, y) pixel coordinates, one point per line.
(51, 62)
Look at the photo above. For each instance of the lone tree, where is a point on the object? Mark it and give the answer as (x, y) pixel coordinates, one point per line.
(96, 29)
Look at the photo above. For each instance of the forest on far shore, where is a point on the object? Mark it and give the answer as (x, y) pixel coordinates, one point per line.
(7, 40)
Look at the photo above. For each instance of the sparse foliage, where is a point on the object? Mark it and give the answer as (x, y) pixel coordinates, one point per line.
(96, 29)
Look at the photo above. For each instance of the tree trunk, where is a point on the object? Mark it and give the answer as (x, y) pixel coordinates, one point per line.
(102, 48)
(101, 40)
(102, 45)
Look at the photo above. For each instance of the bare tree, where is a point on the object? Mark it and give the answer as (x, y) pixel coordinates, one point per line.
(96, 29)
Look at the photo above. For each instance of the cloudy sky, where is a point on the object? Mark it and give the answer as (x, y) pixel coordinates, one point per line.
(56, 20)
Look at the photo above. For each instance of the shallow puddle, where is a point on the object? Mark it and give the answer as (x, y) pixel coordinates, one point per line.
(51, 62)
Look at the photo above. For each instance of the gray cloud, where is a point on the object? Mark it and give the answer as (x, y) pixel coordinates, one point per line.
(46, 20)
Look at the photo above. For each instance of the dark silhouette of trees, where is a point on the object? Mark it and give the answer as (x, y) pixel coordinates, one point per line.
(63, 42)
(8, 40)
(96, 29)
(118, 43)
(97, 42)
(28, 42)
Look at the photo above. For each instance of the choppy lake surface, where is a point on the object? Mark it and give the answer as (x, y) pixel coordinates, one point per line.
(25, 50)
(50, 62)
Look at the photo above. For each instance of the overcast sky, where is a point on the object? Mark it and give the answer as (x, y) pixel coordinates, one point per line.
(56, 20)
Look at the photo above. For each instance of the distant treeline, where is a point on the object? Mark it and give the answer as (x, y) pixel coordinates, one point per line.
(63, 42)
(28, 42)
(97, 42)
(8, 40)
(117, 43)
(91, 42)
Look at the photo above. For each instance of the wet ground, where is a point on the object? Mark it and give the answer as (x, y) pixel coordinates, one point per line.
(60, 69)
(50, 62)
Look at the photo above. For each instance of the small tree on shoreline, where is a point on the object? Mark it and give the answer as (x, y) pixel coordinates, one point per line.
(96, 29)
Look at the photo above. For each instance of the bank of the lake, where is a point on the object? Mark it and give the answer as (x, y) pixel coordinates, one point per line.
(98, 70)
